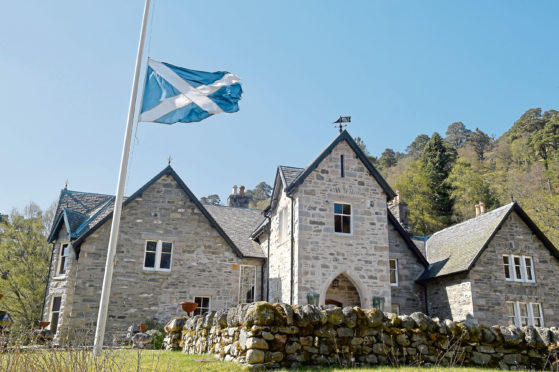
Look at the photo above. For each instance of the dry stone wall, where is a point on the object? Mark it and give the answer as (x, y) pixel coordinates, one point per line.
(264, 335)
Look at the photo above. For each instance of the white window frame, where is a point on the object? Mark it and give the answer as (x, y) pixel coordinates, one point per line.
(157, 262)
(530, 319)
(523, 269)
(395, 284)
(350, 233)
(209, 308)
(66, 259)
(52, 312)
(242, 295)
(397, 309)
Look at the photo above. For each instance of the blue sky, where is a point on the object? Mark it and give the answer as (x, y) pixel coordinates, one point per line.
(399, 68)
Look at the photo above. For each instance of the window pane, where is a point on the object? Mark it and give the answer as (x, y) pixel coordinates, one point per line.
(62, 265)
(510, 308)
(517, 268)
(338, 208)
(523, 309)
(65, 249)
(346, 224)
(150, 259)
(507, 267)
(392, 264)
(151, 246)
(392, 276)
(528, 262)
(205, 302)
(536, 310)
(56, 303)
(54, 323)
(167, 247)
(165, 261)
(338, 223)
(347, 209)
(396, 309)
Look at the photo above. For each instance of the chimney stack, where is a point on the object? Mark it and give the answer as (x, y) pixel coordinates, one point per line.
(478, 210)
(481, 207)
(401, 212)
(239, 200)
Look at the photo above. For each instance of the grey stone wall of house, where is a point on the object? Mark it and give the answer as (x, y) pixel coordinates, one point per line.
(408, 295)
(60, 285)
(203, 264)
(490, 290)
(345, 292)
(280, 252)
(321, 253)
(450, 297)
(401, 211)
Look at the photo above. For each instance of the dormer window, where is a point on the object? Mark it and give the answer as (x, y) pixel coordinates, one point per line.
(519, 268)
(63, 259)
(342, 218)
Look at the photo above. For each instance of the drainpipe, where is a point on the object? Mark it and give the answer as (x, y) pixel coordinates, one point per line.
(424, 285)
(268, 261)
(292, 252)
(48, 283)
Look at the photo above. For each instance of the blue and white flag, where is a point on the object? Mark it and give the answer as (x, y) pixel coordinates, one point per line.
(174, 94)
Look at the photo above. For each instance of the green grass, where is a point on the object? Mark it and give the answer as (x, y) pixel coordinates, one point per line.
(150, 360)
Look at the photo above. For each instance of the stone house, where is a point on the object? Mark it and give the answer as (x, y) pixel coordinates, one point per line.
(334, 233)
(497, 267)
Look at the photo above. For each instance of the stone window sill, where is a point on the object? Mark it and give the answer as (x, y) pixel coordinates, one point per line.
(153, 272)
(60, 277)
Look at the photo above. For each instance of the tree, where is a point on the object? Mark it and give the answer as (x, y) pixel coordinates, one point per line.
(388, 158)
(437, 160)
(212, 199)
(262, 191)
(416, 147)
(457, 134)
(361, 144)
(24, 264)
(480, 141)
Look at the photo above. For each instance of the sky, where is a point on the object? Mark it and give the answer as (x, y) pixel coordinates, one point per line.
(398, 68)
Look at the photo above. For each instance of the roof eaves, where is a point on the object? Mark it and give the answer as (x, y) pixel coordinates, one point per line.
(407, 238)
(55, 227)
(390, 194)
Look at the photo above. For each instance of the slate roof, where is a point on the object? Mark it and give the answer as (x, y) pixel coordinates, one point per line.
(79, 211)
(290, 173)
(238, 224)
(456, 248)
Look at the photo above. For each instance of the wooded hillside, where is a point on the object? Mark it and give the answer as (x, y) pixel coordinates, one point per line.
(442, 178)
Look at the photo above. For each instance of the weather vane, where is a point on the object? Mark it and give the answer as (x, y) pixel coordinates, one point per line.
(341, 120)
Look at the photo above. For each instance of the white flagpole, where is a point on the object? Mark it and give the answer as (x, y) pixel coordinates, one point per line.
(107, 279)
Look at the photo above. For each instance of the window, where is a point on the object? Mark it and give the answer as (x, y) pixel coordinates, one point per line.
(204, 305)
(63, 261)
(342, 170)
(519, 268)
(55, 313)
(522, 313)
(247, 284)
(396, 309)
(158, 255)
(393, 272)
(342, 218)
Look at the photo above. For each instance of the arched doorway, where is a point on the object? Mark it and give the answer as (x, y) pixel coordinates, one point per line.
(341, 292)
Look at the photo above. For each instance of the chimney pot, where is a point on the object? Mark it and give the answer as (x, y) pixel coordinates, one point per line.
(478, 210)
(234, 189)
(481, 207)
(242, 190)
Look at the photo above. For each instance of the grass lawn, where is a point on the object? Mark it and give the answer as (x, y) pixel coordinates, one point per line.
(149, 360)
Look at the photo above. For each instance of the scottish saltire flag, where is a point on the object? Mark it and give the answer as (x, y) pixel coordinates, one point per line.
(174, 94)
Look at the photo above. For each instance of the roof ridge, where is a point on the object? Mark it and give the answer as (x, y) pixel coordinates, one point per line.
(470, 219)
